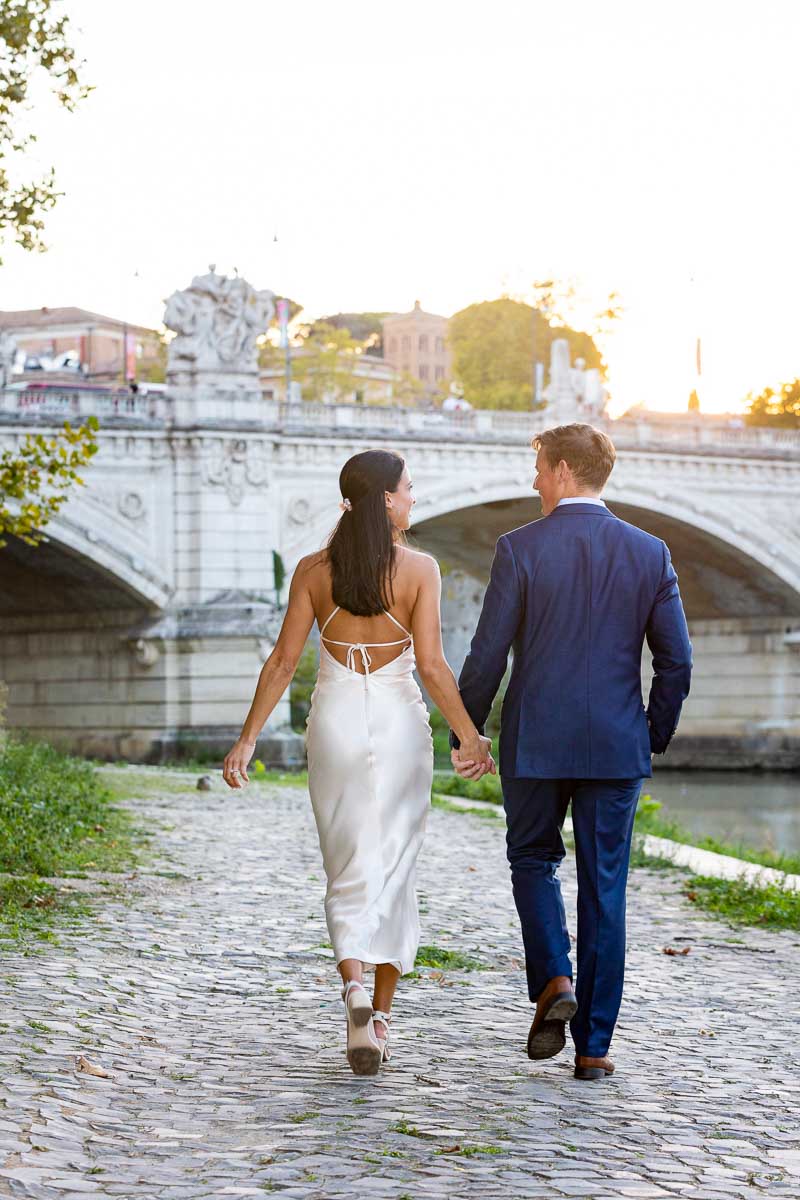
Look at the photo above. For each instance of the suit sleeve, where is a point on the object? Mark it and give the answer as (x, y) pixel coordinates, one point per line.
(501, 616)
(668, 639)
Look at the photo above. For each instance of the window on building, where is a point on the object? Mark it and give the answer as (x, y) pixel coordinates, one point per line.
(439, 373)
(393, 345)
(423, 342)
(440, 345)
(423, 371)
(406, 342)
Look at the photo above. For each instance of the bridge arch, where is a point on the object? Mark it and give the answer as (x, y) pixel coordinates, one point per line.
(729, 565)
(74, 560)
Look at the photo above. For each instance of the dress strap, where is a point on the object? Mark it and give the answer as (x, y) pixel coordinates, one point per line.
(397, 623)
(329, 619)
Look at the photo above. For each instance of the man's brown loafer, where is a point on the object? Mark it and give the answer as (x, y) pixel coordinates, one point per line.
(592, 1068)
(556, 1005)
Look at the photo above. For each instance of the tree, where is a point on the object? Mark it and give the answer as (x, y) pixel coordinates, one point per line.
(326, 364)
(493, 345)
(35, 479)
(365, 327)
(156, 369)
(779, 408)
(33, 41)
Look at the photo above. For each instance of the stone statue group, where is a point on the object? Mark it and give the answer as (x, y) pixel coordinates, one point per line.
(217, 320)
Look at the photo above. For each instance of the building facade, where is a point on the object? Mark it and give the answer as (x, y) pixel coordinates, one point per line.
(374, 381)
(416, 344)
(99, 348)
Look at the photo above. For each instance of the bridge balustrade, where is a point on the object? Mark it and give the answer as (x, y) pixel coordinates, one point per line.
(70, 404)
(479, 425)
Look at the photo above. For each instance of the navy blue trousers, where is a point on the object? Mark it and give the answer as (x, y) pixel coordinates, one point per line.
(602, 818)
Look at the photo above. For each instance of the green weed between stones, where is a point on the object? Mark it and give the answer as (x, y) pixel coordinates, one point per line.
(30, 910)
(442, 959)
(409, 1130)
(470, 1151)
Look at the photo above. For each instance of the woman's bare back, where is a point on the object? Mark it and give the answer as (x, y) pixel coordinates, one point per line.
(370, 631)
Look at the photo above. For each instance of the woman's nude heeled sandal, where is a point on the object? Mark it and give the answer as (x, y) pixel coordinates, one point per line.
(386, 1020)
(364, 1052)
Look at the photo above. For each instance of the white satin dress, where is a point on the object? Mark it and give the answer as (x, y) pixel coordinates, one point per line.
(370, 769)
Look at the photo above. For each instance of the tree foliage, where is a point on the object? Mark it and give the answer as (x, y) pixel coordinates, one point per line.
(35, 479)
(494, 344)
(327, 362)
(33, 41)
(777, 407)
(365, 327)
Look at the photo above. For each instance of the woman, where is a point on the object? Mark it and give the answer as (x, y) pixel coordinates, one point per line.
(370, 750)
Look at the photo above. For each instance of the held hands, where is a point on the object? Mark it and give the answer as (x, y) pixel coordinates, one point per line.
(474, 759)
(234, 769)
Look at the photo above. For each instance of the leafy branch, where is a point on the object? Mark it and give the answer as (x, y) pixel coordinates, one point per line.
(36, 477)
(32, 40)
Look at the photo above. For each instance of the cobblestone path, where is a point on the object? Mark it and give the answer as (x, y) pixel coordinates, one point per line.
(208, 995)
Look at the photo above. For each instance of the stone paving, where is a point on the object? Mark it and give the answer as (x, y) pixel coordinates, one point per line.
(208, 995)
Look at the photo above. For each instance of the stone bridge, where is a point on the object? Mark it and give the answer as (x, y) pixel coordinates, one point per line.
(138, 628)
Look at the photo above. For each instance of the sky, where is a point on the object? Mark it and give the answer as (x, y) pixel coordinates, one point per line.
(449, 151)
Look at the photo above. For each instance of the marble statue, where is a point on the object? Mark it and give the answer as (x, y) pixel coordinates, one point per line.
(573, 393)
(217, 320)
(8, 355)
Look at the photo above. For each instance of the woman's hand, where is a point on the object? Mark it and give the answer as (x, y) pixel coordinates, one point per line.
(468, 769)
(476, 748)
(234, 769)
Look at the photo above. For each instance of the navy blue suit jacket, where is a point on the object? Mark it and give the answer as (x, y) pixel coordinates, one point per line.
(576, 594)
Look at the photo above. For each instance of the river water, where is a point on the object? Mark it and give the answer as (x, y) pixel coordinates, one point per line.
(760, 810)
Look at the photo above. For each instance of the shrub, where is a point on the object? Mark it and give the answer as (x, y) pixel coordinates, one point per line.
(53, 809)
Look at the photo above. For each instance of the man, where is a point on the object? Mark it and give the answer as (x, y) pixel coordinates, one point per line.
(576, 594)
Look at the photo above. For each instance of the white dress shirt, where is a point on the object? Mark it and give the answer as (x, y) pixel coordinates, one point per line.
(582, 500)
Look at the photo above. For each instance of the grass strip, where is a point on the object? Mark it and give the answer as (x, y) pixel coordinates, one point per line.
(488, 789)
(483, 814)
(770, 906)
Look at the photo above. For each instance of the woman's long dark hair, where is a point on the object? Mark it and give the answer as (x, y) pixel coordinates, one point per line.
(361, 550)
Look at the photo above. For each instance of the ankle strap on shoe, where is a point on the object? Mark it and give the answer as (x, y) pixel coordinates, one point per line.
(384, 1018)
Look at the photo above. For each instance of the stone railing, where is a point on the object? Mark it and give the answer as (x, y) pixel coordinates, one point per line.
(484, 425)
(73, 404)
(377, 421)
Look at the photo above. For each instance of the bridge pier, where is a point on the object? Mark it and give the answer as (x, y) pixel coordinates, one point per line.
(111, 685)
